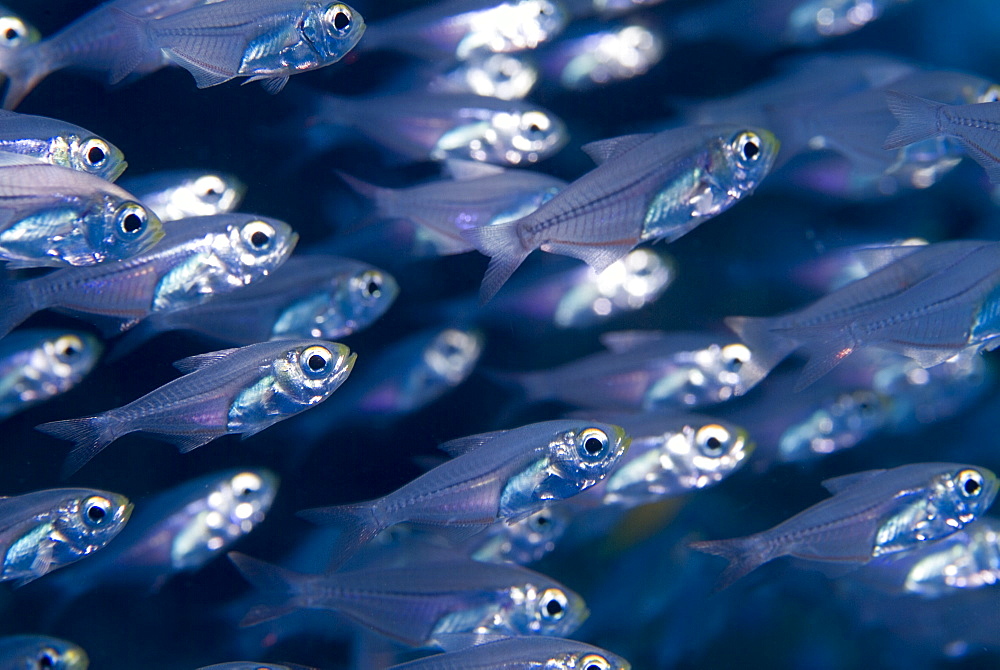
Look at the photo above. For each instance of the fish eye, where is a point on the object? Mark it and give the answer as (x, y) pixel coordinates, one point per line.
(209, 187)
(992, 94)
(594, 662)
(593, 443)
(712, 439)
(970, 483)
(535, 123)
(47, 658)
(131, 218)
(96, 152)
(315, 360)
(14, 31)
(371, 284)
(245, 484)
(554, 604)
(539, 521)
(258, 234)
(747, 145)
(68, 346)
(340, 17)
(734, 356)
(96, 510)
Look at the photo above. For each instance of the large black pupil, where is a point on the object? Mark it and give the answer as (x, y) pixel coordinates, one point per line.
(750, 150)
(259, 239)
(95, 513)
(46, 661)
(95, 155)
(11, 34)
(316, 362)
(131, 223)
(553, 607)
(70, 350)
(971, 486)
(713, 443)
(372, 287)
(340, 21)
(593, 445)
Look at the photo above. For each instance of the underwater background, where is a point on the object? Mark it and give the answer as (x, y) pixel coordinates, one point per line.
(650, 596)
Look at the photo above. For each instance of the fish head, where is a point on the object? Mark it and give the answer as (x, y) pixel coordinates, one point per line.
(333, 30)
(15, 32)
(257, 246)
(205, 195)
(525, 24)
(837, 423)
(68, 356)
(93, 155)
(237, 502)
(717, 449)
(596, 659)
(526, 540)
(548, 609)
(518, 136)
(129, 228)
(35, 652)
(86, 521)
(582, 455)
(747, 157)
(362, 299)
(310, 371)
(971, 492)
(493, 75)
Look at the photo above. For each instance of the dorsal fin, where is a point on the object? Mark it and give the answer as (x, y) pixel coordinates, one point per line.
(838, 484)
(197, 362)
(462, 170)
(602, 150)
(464, 445)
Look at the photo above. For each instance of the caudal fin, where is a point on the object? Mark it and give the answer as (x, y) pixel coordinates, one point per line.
(743, 553)
(91, 434)
(23, 68)
(767, 348)
(272, 581)
(502, 244)
(357, 523)
(918, 119)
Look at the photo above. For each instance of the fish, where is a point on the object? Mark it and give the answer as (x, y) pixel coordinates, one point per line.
(243, 390)
(870, 514)
(418, 604)
(648, 186)
(52, 216)
(214, 41)
(48, 529)
(197, 258)
(933, 302)
(179, 194)
(60, 143)
(522, 653)
(504, 475)
(38, 364)
(975, 126)
(525, 541)
(35, 652)
(504, 76)
(460, 29)
(250, 665)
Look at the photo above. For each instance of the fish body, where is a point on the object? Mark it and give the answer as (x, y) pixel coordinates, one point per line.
(55, 216)
(180, 194)
(60, 143)
(45, 530)
(418, 604)
(36, 365)
(241, 390)
(504, 475)
(522, 653)
(34, 652)
(870, 514)
(198, 258)
(504, 76)
(524, 541)
(930, 304)
(646, 187)
(602, 55)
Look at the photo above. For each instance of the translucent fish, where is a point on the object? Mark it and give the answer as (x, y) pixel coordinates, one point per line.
(646, 187)
(48, 529)
(504, 475)
(54, 216)
(198, 258)
(241, 390)
(522, 653)
(934, 302)
(870, 514)
(36, 365)
(28, 652)
(179, 194)
(503, 76)
(420, 603)
(60, 143)
(524, 541)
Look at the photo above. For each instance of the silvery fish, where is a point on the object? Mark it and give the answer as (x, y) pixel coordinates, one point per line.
(645, 187)
(975, 126)
(932, 303)
(175, 531)
(504, 475)
(423, 603)
(479, 195)
(504, 76)
(522, 653)
(870, 514)
(36, 365)
(241, 390)
(179, 194)
(48, 529)
(670, 455)
(459, 29)
(60, 143)
(55, 216)
(198, 258)
(524, 541)
(325, 297)
(644, 370)
(214, 41)
(40, 652)
(425, 126)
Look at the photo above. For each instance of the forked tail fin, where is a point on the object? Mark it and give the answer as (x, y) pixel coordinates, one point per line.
(273, 582)
(918, 119)
(22, 68)
(90, 433)
(744, 554)
(357, 523)
(502, 244)
(767, 348)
